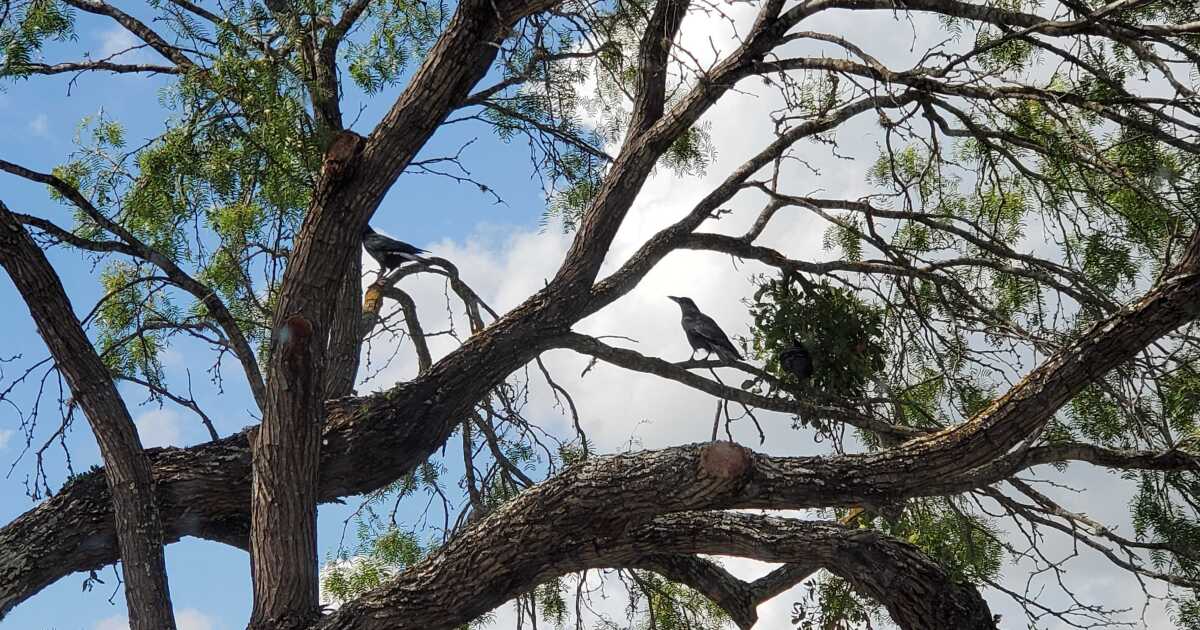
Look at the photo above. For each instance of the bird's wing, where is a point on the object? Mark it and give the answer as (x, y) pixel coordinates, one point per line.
(704, 326)
(385, 244)
(405, 248)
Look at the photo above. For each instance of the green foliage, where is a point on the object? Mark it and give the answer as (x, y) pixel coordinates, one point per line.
(1160, 515)
(1003, 52)
(402, 30)
(1180, 391)
(841, 331)
(845, 236)
(1187, 613)
(571, 454)
(830, 603)
(550, 602)
(1096, 416)
(965, 544)
(962, 542)
(569, 204)
(25, 31)
(691, 152)
(222, 191)
(125, 345)
(382, 548)
(378, 557)
(659, 604)
(1107, 262)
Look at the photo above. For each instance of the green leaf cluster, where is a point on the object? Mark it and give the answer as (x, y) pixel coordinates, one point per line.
(842, 332)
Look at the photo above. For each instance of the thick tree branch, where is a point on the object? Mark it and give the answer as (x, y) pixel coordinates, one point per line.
(356, 174)
(671, 238)
(137, 523)
(734, 596)
(643, 147)
(740, 600)
(914, 588)
(137, 27)
(346, 335)
(104, 66)
(371, 440)
(375, 439)
(653, 54)
(415, 331)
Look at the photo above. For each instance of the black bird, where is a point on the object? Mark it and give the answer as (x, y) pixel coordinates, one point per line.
(797, 361)
(704, 333)
(389, 252)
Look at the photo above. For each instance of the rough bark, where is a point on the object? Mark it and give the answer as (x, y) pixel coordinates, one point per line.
(345, 337)
(916, 591)
(355, 175)
(444, 394)
(738, 599)
(126, 469)
(914, 588)
(374, 439)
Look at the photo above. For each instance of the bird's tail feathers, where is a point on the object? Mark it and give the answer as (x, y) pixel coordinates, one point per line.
(728, 355)
(417, 258)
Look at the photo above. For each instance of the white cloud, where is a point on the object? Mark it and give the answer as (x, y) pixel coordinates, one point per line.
(160, 427)
(507, 265)
(116, 622)
(40, 126)
(118, 41)
(172, 358)
(192, 619)
(5, 436)
(185, 619)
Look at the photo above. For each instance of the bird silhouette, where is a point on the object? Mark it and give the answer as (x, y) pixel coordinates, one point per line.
(797, 361)
(389, 252)
(703, 333)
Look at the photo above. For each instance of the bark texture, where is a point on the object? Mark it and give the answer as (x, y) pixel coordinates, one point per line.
(355, 175)
(566, 523)
(345, 338)
(136, 517)
(374, 439)
(916, 591)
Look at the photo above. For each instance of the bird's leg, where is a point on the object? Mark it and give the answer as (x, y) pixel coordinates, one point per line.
(692, 356)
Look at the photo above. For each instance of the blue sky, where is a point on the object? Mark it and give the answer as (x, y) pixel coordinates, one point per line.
(38, 120)
(505, 256)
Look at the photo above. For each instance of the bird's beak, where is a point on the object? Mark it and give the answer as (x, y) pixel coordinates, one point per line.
(672, 298)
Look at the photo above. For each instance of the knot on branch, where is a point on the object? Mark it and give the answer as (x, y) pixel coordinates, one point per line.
(372, 306)
(724, 460)
(373, 300)
(340, 157)
(293, 345)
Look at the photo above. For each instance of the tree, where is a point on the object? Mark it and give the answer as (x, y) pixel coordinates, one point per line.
(240, 224)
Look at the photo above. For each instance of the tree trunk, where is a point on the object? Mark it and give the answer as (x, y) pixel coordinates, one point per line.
(346, 334)
(139, 530)
(286, 457)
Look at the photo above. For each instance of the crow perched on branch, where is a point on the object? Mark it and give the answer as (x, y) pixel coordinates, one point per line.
(389, 252)
(797, 361)
(703, 333)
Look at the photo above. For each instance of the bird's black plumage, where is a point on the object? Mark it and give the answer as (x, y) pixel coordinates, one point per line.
(389, 252)
(797, 361)
(703, 333)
